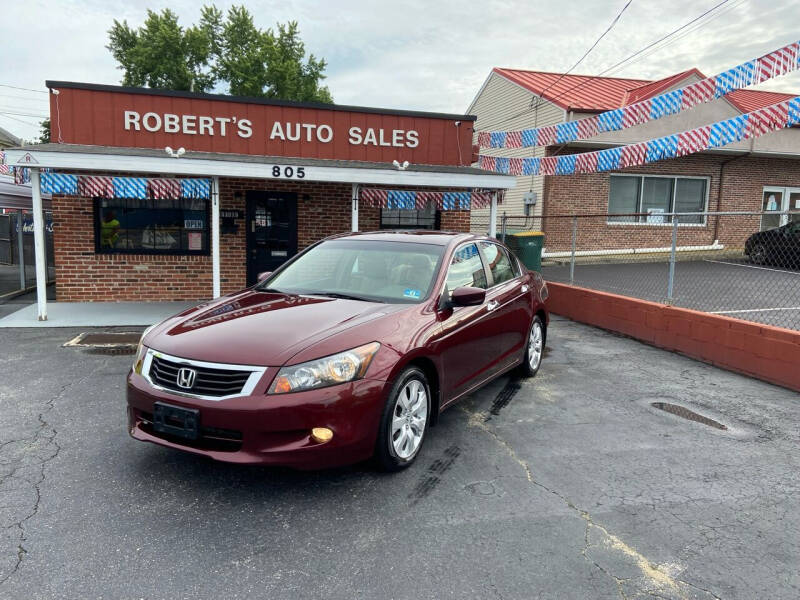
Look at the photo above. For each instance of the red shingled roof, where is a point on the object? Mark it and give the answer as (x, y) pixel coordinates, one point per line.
(596, 94)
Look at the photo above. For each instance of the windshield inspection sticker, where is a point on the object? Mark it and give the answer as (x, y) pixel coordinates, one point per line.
(409, 293)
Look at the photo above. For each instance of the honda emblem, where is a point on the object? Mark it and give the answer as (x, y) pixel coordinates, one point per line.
(186, 378)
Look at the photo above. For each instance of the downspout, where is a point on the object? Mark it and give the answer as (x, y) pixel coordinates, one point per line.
(720, 186)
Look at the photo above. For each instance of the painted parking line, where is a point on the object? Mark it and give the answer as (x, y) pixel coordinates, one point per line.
(723, 262)
(753, 310)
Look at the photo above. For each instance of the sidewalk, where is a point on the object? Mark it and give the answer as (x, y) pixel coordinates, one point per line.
(94, 314)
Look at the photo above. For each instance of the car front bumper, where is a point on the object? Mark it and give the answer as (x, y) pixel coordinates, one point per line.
(269, 429)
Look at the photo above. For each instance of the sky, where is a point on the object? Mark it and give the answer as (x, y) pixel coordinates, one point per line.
(419, 55)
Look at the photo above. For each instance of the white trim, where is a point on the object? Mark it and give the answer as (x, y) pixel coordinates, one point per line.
(493, 216)
(225, 168)
(665, 249)
(480, 91)
(38, 244)
(354, 208)
(216, 291)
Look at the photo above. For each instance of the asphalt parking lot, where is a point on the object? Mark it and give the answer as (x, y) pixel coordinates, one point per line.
(570, 485)
(729, 286)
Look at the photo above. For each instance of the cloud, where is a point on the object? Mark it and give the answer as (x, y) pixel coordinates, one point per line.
(423, 55)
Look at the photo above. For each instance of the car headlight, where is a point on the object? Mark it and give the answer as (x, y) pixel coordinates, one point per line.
(322, 372)
(138, 358)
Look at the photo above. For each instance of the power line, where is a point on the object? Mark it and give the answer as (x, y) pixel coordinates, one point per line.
(625, 60)
(4, 107)
(585, 54)
(20, 120)
(24, 89)
(638, 52)
(677, 38)
(26, 98)
(19, 114)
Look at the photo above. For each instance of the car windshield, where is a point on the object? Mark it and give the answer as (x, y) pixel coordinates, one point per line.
(393, 272)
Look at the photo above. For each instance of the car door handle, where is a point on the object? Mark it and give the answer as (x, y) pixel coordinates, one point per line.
(524, 289)
(492, 305)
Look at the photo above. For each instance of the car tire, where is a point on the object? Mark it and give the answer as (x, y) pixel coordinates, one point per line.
(404, 421)
(534, 348)
(758, 254)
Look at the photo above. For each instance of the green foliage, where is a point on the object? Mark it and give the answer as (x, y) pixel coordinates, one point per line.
(220, 49)
(44, 132)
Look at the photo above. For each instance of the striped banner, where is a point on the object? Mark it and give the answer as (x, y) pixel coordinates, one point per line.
(59, 183)
(774, 64)
(164, 189)
(420, 199)
(196, 188)
(95, 186)
(742, 127)
(4, 168)
(130, 187)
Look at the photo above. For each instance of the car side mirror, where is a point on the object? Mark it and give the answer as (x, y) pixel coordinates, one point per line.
(468, 296)
(263, 275)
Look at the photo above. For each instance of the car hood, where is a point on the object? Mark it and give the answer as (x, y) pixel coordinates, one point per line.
(259, 328)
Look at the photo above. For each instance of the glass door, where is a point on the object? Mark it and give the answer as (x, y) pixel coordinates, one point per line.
(771, 205)
(793, 204)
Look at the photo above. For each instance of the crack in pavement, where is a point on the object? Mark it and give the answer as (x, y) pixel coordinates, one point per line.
(47, 433)
(657, 575)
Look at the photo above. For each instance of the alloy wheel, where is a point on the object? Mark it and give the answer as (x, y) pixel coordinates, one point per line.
(409, 418)
(535, 345)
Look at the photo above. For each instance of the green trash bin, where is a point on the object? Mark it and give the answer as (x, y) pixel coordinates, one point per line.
(527, 245)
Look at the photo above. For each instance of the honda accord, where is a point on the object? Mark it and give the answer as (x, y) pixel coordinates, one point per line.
(349, 350)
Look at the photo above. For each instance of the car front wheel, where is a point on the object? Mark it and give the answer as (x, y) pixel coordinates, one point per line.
(535, 349)
(404, 421)
(758, 253)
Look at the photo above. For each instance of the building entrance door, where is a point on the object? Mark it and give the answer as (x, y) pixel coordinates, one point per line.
(777, 200)
(271, 231)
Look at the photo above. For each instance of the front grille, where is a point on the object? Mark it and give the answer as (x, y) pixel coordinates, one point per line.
(208, 382)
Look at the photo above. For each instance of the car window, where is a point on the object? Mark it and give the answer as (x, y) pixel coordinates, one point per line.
(466, 269)
(394, 272)
(499, 262)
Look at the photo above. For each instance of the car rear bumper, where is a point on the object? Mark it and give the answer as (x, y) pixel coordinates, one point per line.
(270, 430)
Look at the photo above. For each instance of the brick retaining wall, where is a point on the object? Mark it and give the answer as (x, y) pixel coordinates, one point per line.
(761, 351)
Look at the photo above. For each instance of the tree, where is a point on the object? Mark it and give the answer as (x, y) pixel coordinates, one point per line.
(228, 49)
(44, 133)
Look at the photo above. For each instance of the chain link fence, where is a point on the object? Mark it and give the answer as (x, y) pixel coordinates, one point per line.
(744, 265)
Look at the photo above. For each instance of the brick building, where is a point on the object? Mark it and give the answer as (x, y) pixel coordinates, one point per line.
(761, 175)
(161, 195)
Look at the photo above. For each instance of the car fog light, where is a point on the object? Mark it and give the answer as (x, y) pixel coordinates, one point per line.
(321, 434)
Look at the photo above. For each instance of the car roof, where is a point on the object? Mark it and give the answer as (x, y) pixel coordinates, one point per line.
(413, 236)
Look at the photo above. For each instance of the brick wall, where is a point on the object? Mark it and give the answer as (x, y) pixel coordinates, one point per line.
(454, 220)
(743, 180)
(761, 351)
(323, 209)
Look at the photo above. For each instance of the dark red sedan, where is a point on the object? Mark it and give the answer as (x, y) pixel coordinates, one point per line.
(349, 351)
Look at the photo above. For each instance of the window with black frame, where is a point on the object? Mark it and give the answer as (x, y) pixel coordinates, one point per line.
(147, 226)
(427, 218)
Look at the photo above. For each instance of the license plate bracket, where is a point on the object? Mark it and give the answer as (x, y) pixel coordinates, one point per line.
(176, 420)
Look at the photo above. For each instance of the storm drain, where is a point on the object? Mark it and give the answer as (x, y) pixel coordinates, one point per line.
(113, 343)
(687, 414)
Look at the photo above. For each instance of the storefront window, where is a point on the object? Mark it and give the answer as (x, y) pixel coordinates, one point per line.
(134, 226)
(652, 197)
(427, 218)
